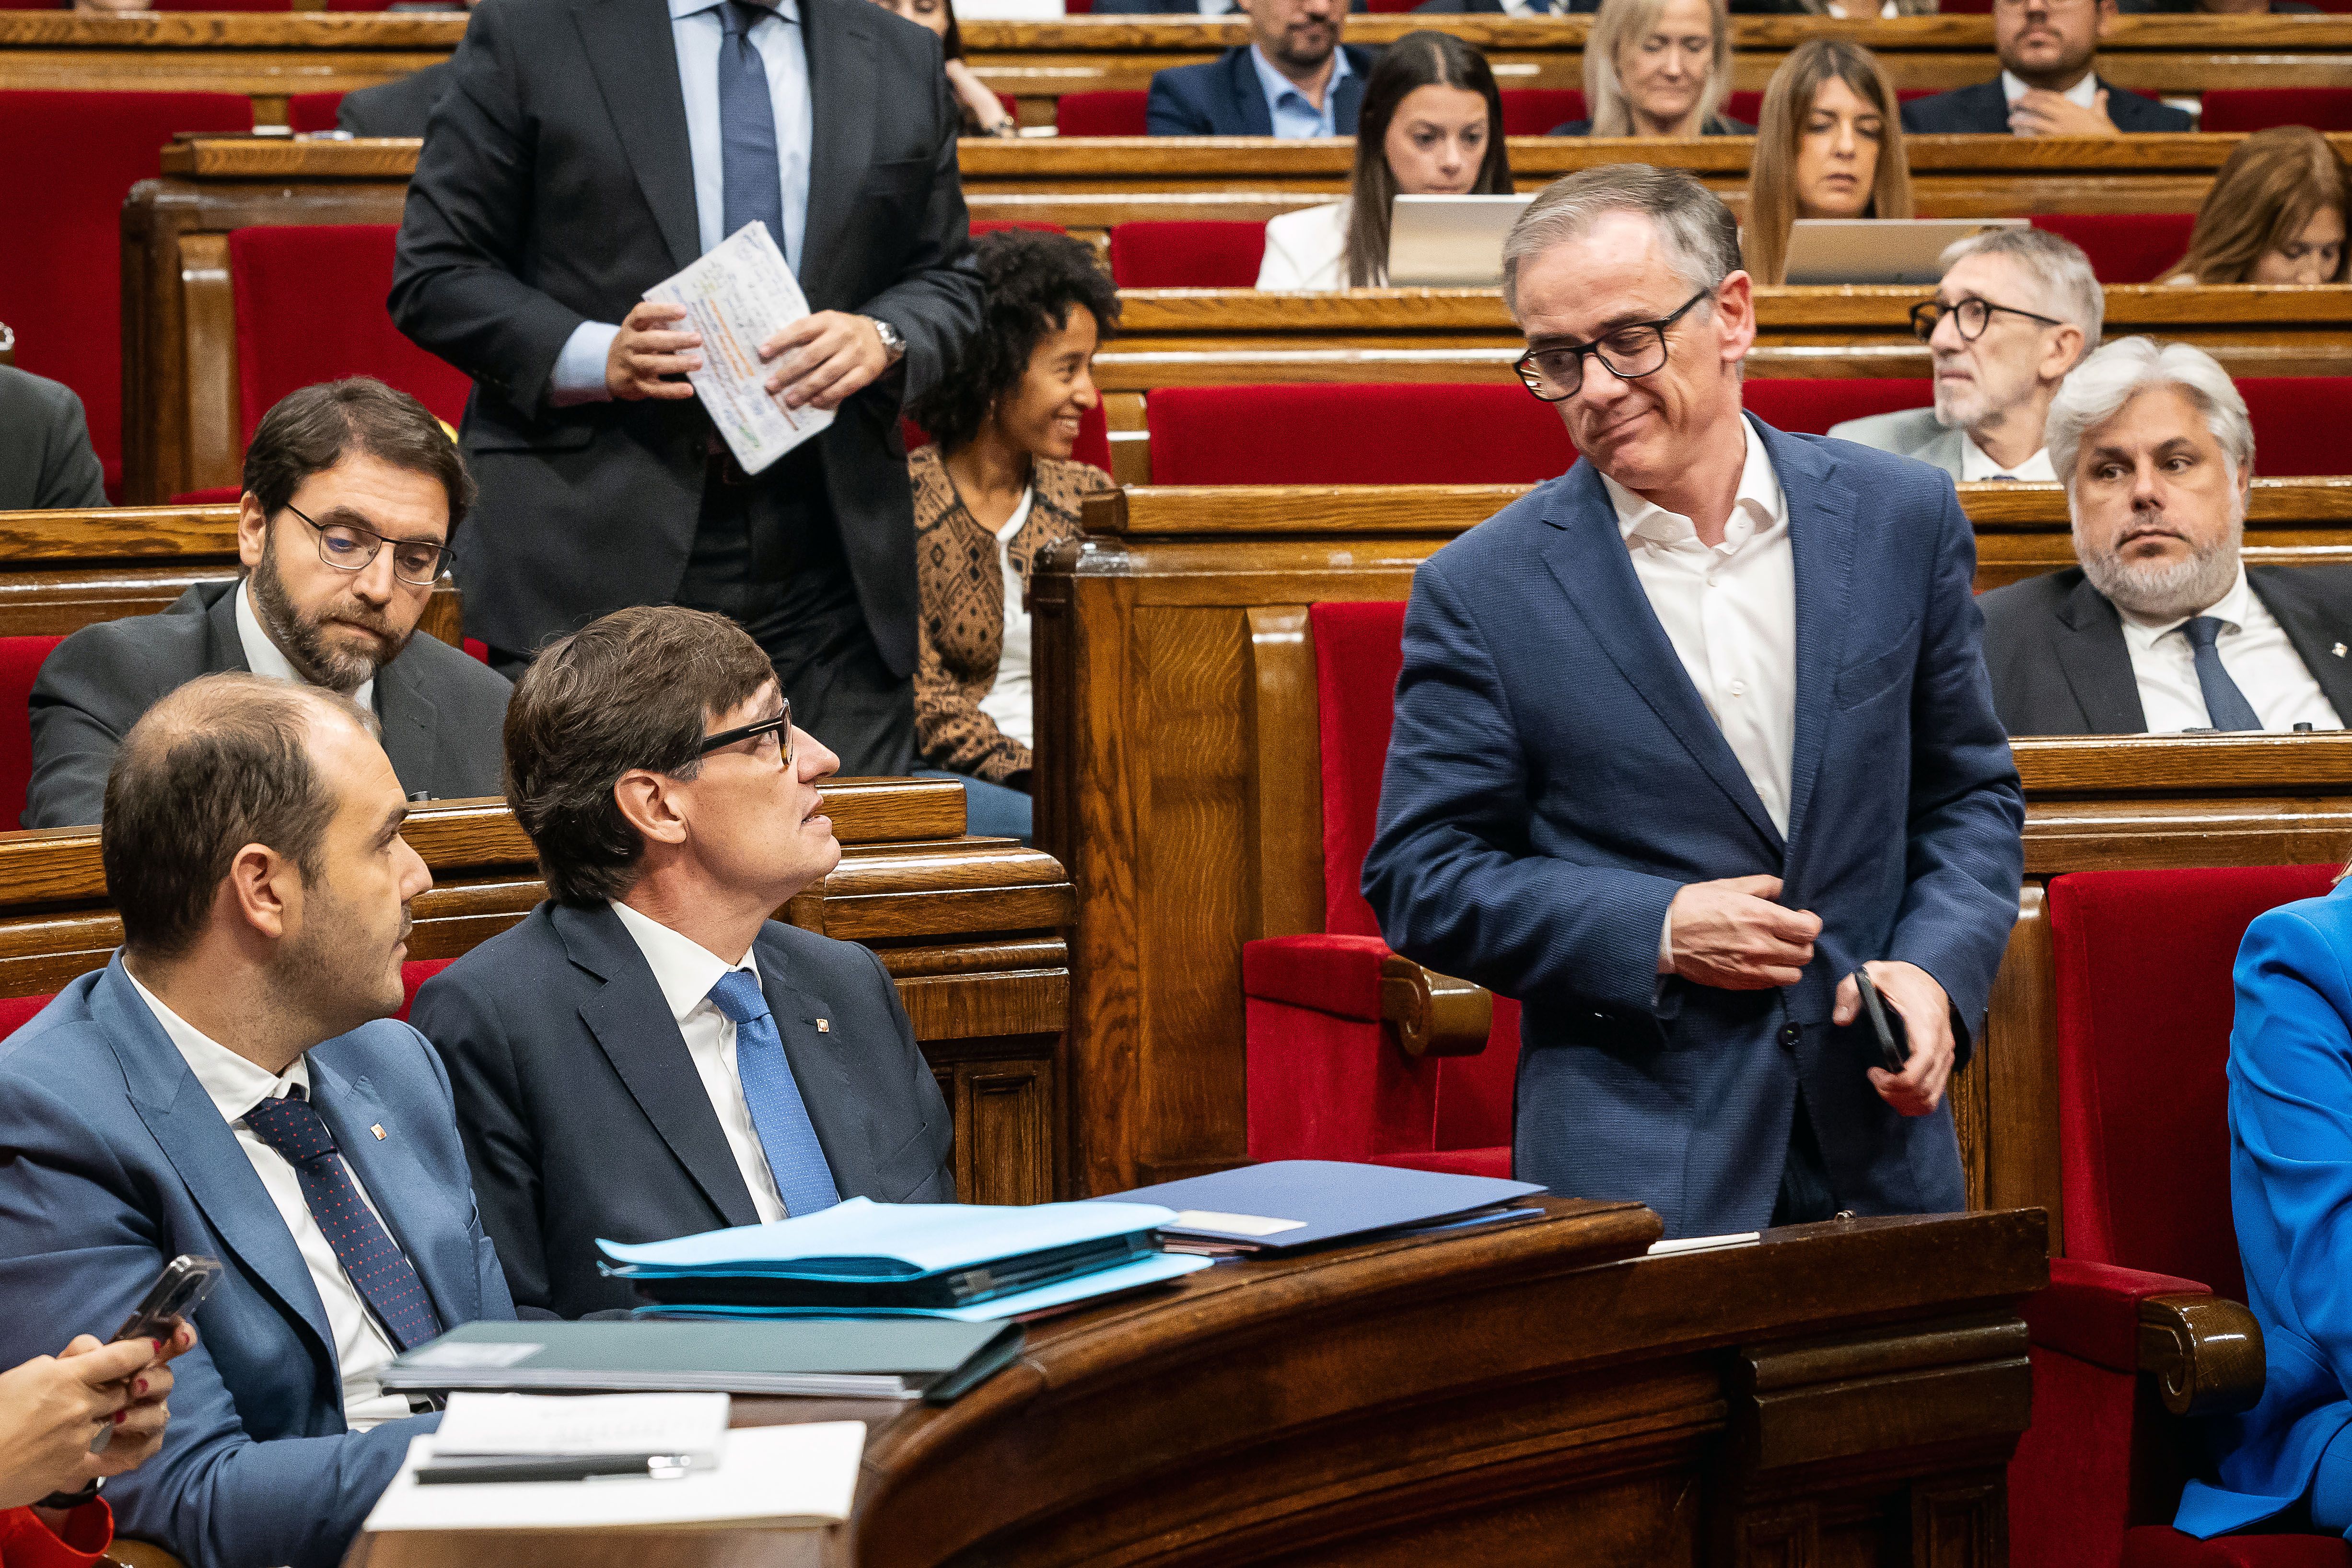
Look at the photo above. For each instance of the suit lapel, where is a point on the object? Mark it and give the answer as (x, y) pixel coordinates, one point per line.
(421, 1212)
(843, 90)
(411, 723)
(1822, 538)
(224, 649)
(844, 1128)
(633, 1025)
(1588, 559)
(1347, 99)
(2088, 648)
(203, 1148)
(634, 61)
(1945, 451)
(2314, 636)
(1248, 94)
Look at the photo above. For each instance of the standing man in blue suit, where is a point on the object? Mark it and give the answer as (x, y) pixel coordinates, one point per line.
(1689, 735)
(1293, 78)
(233, 1084)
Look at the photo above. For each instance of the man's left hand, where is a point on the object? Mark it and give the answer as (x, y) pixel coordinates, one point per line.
(833, 356)
(2041, 112)
(1927, 1015)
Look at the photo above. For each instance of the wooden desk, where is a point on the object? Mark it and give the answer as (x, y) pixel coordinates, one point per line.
(971, 929)
(1536, 1394)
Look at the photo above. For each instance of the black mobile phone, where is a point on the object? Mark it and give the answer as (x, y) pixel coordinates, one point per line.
(1894, 1044)
(177, 1292)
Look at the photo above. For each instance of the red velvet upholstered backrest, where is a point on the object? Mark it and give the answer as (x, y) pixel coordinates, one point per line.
(1101, 113)
(16, 1012)
(2299, 423)
(311, 308)
(1355, 434)
(2260, 108)
(1798, 403)
(72, 158)
(1206, 255)
(20, 661)
(2144, 1010)
(1359, 650)
(311, 111)
(2125, 248)
(1534, 111)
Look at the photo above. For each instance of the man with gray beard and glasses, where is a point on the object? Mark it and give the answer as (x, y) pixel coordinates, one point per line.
(2162, 628)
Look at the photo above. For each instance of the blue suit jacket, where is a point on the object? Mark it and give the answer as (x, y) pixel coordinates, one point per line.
(1553, 778)
(1983, 110)
(2291, 1194)
(1225, 98)
(113, 1161)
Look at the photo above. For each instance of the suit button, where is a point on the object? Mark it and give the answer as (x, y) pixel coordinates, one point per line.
(1789, 1036)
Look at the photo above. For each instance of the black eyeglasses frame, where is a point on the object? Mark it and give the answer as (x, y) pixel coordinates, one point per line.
(1584, 351)
(442, 563)
(1925, 329)
(780, 726)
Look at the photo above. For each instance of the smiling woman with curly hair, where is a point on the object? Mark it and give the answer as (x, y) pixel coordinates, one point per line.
(994, 488)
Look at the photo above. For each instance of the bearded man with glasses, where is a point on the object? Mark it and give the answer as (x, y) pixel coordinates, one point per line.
(351, 493)
(1685, 738)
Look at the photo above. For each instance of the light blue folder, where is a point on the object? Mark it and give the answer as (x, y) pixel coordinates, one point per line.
(862, 1240)
(1155, 1269)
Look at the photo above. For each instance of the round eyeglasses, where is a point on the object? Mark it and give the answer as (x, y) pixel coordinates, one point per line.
(1969, 316)
(1637, 349)
(347, 547)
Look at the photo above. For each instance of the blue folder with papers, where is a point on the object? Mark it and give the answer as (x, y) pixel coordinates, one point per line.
(1285, 1205)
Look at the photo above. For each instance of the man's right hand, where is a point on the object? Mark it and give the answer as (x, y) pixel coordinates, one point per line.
(1731, 936)
(645, 350)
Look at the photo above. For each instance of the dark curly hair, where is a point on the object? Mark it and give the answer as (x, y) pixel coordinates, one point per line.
(1034, 280)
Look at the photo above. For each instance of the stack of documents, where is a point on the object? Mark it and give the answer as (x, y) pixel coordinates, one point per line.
(860, 1259)
(1285, 1205)
(539, 1438)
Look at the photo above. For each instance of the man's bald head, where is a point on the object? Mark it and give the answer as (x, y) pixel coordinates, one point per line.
(225, 761)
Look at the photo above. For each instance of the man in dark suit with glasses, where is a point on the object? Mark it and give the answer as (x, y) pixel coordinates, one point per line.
(351, 493)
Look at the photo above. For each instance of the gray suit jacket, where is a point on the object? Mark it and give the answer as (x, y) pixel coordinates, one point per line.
(45, 459)
(1912, 432)
(401, 106)
(2054, 647)
(442, 712)
(583, 1115)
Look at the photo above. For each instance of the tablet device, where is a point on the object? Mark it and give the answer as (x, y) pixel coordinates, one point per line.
(1449, 242)
(1878, 250)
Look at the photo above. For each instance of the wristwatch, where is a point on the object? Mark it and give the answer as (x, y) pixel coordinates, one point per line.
(65, 1501)
(893, 344)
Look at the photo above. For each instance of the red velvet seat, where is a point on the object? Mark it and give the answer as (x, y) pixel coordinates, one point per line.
(72, 157)
(2299, 423)
(20, 661)
(1534, 111)
(1101, 113)
(307, 112)
(1207, 255)
(1325, 1080)
(311, 308)
(2260, 108)
(2143, 1012)
(16, 1012)
(2125, 248)
(1812, 406)
(1355, 434)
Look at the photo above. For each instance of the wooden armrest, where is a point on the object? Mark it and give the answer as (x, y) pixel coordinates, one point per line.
(1435, 1014)
(2204, 1352)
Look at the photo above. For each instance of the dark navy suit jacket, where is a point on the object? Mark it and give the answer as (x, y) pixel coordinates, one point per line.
(113, 1161)
(1984, 111)
(1225, 98)
(1553, 778)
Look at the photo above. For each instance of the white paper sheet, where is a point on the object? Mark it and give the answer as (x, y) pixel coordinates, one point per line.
(536, 1424)
(738, 296)
(797, 1475)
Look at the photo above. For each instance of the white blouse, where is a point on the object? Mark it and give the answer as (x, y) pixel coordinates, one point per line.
(1307, 251)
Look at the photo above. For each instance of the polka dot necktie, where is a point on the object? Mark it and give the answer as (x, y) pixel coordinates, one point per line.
(292, 1127)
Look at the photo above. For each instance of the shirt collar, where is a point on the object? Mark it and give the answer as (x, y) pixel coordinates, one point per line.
(1275, 85)
(683, 967)
(232, 1083)
(2230, 610)
(790, 10)
(1976, 463)
(2083, 93)
(264, 657)
(1755, 507)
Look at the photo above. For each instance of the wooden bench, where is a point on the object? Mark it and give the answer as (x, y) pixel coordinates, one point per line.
(971, 929)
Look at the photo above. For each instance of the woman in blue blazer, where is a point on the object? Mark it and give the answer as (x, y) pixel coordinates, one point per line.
(2290, 1190)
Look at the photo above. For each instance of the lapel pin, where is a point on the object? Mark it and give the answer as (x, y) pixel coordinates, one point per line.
(378, 1131)
(824, 1025)
(2337, 650)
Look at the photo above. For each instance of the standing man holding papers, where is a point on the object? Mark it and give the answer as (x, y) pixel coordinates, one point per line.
(586, 151)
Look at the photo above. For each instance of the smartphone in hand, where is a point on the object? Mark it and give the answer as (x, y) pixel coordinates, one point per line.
(1893, 1043)
(177, 1292)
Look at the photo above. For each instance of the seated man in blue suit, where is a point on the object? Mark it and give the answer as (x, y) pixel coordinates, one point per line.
(650, 1017)
(1293, 78)
(2049, 83)
(233, 1084)
(1685, 738)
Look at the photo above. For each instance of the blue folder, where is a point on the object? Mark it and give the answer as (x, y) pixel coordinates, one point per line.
(1330, 1200)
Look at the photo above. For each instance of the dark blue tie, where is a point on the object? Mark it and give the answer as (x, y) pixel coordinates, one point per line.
(292, 1127)
(2226, 706)
(751, 181)
(804, 1179)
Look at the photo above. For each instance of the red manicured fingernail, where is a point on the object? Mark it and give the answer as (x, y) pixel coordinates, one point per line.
(120, 1416)
(140, 1387)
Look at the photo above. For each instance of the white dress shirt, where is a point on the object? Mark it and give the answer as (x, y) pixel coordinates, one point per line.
(1976, 463)
(1307, 250)
(2083, 93)
(235, 1086)
(1008, 703)
(685, 970)
(695, 33)
(264, 657)
(2254, 650)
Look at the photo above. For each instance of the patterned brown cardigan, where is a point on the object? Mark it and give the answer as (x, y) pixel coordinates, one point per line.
(962, 629)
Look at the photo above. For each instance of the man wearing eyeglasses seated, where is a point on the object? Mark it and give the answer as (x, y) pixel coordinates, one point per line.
(1685, 738)
(2017, 309)
(351, 492)
(649, 1055)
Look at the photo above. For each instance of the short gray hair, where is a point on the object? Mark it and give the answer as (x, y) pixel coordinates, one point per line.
(1700, 234)
(2096, 391)
(2069, 289)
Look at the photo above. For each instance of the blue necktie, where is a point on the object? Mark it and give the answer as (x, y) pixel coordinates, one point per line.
(292, 1127)
(795, 1159)
(751, 181)
(2226, 706)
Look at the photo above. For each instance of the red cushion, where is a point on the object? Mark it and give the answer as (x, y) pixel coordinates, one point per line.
(1534, 111)
(311, 308)
(477, 650)
(1355, 434)
(1747, 107)
(2161, 1546)
(2125, 248)
(1488, 1162)
(312, 111)
(1335, 975)
(16, 1012)
(1476, 1093)
(1812, 406)
(2299, 423)
(413, 975)
(72, 158)
(2144, 1006)
(2090, 1310)
(1358, 652)
(218, 496)
(20, 661)
(1208, 255)
(2260, 108)
(2070, 1481)
(1321, 1087)
(1101, 113)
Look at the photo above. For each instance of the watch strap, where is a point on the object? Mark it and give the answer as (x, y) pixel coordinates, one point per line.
(65, 1501)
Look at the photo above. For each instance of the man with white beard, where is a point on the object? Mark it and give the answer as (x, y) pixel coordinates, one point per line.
(2017, 309)
(2162, 628)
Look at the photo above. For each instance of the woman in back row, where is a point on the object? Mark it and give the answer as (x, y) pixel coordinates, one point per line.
(2275, 214)
(1657, 68)
(1830, 147)
(1431, 125)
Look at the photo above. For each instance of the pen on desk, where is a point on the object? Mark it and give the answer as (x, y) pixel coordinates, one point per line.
(579, 1468)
